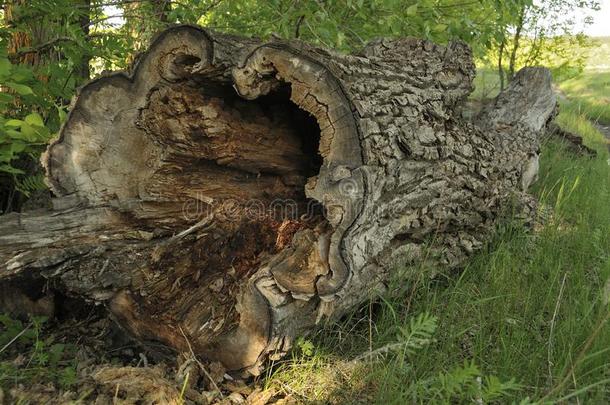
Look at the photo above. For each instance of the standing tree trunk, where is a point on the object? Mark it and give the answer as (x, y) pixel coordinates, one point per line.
(500, 63)
(84, 20)
(516, 43)
(144, 19)
(235, 193)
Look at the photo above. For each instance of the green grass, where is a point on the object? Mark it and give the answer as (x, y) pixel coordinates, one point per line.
(589, 94)
(486, 84)
(599, 55)
(526, 321)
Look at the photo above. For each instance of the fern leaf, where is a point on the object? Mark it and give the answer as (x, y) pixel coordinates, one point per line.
(29, 184)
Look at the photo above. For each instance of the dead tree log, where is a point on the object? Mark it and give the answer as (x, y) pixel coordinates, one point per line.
(238, 192)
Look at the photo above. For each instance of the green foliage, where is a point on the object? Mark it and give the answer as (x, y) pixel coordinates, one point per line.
(305, 346)
(347, 25)
(22, 129)
(599, 56)
(34, 90)
(29, 355)
(418, 333)
(465, 384)
(309, 376)
(565, 55)
(486, 85)
(29, 184)
(38, 79)
(532, 33)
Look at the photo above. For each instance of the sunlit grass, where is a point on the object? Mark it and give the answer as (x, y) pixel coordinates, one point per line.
(589, 94)
(486, 84)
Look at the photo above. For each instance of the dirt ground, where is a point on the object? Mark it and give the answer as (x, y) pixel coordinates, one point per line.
(110, 368)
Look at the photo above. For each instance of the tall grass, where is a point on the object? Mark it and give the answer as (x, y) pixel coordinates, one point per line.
(526, 321)
(589, 95)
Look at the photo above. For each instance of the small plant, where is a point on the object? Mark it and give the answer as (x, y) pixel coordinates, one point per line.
(462, 384)
(467, 384)
(418, 333)
(305, 346)
(28, 355)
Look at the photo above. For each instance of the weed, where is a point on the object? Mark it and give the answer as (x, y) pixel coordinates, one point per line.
(29, 355)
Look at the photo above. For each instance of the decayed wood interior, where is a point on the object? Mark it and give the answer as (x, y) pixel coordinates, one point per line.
(248, 163)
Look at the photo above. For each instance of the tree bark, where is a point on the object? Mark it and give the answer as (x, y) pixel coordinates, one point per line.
(500, 65)
(84, 20)
(516, 43)
(144, 19)
(239, 192)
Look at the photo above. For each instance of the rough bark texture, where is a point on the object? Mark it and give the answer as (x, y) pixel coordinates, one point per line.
(238, 192)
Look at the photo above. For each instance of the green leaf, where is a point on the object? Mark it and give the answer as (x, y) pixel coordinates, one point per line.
(5, 67)
(68, 377)
(34, 119)
(14, 123)
(18, 147)
(62, 114)
(395, 24)
(6, 98)
(412, 10)
(14, 134)
(56, 351)
(21, 89)
(10, 169)
(20, 73)
(29, 132)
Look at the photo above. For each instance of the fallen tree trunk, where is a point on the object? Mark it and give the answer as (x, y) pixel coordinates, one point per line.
(233, 193)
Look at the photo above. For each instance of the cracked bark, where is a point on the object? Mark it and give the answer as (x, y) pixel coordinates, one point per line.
(243, 191)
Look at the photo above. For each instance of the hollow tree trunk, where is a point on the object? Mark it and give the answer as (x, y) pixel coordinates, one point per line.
(238, 192)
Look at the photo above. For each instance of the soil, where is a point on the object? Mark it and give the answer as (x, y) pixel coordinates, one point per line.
(113, 369)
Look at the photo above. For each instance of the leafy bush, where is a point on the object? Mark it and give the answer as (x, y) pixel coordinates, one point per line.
(28, 120)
